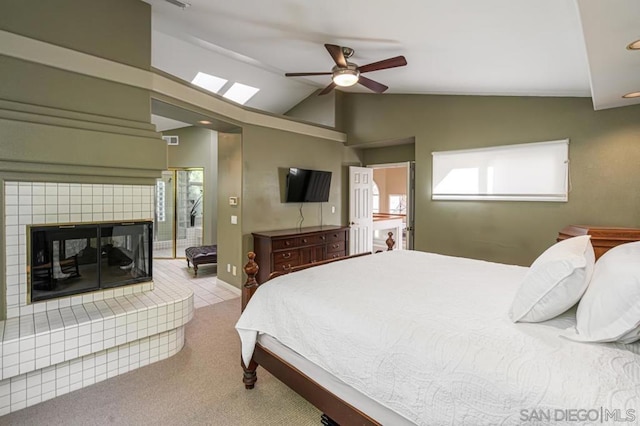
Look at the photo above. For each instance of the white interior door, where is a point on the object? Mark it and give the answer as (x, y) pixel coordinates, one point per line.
(360, 213)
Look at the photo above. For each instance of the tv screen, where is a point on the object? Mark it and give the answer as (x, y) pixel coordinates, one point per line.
(307, 186)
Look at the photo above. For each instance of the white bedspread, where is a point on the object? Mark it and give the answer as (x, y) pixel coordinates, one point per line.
(428, 336)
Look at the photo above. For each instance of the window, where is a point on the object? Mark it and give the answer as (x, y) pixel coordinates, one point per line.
(375, 191)
(240, 93)
(209, 82)
(398, 203)
(523, 172)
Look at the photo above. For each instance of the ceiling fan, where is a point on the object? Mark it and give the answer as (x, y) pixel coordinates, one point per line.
(347, 74)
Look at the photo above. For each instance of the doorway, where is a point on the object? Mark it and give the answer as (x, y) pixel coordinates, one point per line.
(179, 212)
(393, 204)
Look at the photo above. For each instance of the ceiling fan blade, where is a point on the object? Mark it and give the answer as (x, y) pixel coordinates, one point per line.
(303, 74)
(327, 89)
(398, 61)
(373, 85)
(337, 55)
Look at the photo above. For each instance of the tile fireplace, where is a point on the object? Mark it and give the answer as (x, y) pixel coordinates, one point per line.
(94, 240)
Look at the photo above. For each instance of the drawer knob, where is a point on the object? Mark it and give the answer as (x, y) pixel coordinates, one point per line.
(323, 237)
(286, 255)
(335, 245)
(304, 240)
(287, 243)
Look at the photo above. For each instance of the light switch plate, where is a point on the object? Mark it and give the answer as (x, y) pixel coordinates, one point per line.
(234, 219)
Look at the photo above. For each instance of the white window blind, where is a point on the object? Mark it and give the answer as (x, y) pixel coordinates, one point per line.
(523, 172)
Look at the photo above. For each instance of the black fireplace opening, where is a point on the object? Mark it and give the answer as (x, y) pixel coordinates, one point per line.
(71, 259)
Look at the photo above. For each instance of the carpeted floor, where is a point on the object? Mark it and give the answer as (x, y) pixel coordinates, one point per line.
(201, 385)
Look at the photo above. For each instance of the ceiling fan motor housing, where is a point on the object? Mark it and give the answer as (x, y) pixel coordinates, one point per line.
(347, 52)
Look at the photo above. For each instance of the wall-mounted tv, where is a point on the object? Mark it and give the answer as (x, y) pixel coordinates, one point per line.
(307, 186)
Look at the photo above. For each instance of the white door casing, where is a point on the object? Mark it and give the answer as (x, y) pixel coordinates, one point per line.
(360, 213)
(411, 204)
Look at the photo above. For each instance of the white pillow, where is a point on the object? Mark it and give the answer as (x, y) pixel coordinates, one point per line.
(555, 282)
(610, 308)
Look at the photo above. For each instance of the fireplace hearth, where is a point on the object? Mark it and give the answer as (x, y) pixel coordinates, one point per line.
(77, 258)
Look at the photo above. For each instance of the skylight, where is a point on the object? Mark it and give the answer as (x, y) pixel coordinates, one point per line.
(209, 82)
(240, 93)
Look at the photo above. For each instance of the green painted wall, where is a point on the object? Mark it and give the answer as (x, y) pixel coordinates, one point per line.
(604, 152)
(119, 30)
(199, 148)
(266, 155)
(316, 109)
(40, 85)
(230, 250)
(389, 154)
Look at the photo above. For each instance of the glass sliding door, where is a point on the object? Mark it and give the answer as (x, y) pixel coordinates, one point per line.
(179, 208)
(189, 199)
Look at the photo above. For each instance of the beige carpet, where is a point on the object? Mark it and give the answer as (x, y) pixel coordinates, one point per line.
(201, 385)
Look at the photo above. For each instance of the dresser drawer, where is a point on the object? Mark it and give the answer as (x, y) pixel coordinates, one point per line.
(336, 236)
(335, 246)
(285, 256)
(284, 264)
(313, 239)
(285, 243)
(336, 254)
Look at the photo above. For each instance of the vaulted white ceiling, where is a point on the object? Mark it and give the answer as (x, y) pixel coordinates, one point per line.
(469, 47)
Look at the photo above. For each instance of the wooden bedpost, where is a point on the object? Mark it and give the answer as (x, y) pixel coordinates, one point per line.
(390, 241)
(249, 376)
(251, 269)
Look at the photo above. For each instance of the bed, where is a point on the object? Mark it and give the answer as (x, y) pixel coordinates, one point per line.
(367, 348)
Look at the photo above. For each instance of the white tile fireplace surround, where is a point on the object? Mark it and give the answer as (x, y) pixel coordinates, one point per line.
(53, 347)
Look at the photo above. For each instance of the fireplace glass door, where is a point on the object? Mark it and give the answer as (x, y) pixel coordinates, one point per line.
(126, 257)
(63, 261)
(73, 259)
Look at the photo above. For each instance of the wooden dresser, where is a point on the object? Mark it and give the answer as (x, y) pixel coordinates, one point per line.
(282, 249)
(602, 238)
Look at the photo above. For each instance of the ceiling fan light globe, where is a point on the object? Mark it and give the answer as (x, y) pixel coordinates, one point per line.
(345, 77)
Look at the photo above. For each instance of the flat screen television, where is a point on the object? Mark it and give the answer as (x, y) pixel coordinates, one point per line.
(307, 186)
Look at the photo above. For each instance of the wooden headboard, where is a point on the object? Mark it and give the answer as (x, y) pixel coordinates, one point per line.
(602, 238)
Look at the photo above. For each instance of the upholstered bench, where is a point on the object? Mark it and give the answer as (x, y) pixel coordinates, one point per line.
(201, 255)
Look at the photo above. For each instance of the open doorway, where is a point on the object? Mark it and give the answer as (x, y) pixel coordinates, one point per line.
(187, 192)
(393, 204)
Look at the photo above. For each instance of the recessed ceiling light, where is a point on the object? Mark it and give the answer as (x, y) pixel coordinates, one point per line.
(634, 46)
(240, 93)
(204, 122)
(209, 82)
(632, 95)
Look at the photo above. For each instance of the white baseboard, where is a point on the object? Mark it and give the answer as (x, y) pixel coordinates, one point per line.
(229, 287)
